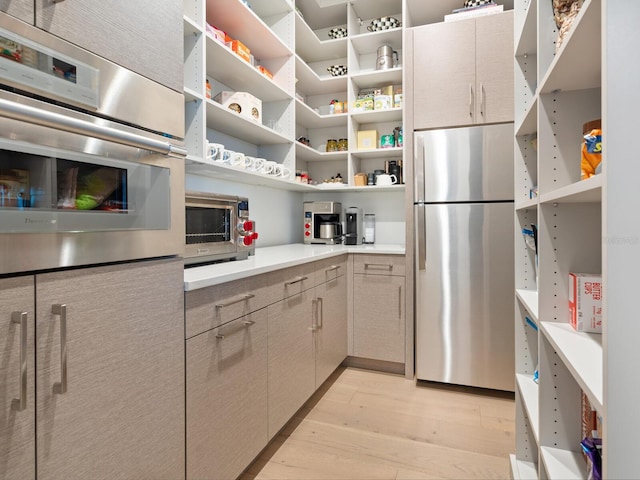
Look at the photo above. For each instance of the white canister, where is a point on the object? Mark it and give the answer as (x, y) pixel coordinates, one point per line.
(369, 228)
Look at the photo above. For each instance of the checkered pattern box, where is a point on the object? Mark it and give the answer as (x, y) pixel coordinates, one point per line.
(585, 302)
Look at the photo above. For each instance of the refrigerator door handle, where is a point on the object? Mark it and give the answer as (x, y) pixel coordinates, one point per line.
(421, 237)
(418, 168)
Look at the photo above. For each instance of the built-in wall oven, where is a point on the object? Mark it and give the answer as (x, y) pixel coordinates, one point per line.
(91, 157)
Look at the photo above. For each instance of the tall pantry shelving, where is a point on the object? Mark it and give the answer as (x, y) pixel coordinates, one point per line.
(292, 42)
(581, 229)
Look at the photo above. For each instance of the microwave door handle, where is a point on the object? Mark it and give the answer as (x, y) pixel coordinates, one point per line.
(37, 116)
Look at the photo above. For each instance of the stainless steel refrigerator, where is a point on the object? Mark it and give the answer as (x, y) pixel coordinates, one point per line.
(464, 217)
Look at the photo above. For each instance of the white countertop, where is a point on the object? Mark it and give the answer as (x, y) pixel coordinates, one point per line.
(268, 259)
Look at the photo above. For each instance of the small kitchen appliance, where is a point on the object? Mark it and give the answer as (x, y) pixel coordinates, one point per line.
(218, 228)
(386, 59)
(353, 226)
(323, 223)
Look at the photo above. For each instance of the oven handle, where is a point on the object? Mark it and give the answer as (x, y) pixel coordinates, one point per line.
(36, 116)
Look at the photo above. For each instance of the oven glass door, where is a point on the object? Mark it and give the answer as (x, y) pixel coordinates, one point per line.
(45, 190)
(209, 225)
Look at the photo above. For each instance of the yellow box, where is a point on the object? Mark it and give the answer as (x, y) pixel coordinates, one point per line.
(363, 105)
(367, 139)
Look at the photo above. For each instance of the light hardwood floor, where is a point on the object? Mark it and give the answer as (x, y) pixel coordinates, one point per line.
(370, 425)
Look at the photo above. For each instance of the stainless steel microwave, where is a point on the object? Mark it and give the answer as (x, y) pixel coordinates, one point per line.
(91, 157)
(218, 228)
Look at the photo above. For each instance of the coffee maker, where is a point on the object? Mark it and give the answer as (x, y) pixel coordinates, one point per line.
(323, 223)
(353, 226)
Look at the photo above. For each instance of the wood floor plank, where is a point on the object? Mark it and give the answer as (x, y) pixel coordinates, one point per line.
(371, 425)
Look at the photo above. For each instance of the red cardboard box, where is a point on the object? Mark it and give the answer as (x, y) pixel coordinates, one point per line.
(585, 302)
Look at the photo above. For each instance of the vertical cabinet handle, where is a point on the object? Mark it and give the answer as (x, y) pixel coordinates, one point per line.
(400, 301)
(61, 311)
(314, 316)
(471, 100)
(481, 99)
(21, 319)
(321, 316)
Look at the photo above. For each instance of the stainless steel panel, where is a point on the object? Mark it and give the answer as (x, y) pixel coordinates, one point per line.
(144, 36)
(123, 95)
(464, 327)
(465, 164)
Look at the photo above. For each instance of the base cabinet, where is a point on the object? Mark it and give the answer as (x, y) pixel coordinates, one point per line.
(227, 397)
(379, 308)
(109, 373)
(17, 387)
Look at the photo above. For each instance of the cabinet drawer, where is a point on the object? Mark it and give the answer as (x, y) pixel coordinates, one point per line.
(379, 264)
(330, 269)
(290, 281)
(213, 306)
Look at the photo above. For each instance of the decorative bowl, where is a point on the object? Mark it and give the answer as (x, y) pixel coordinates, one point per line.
(383, 23)
(337, 32)
(337, 70)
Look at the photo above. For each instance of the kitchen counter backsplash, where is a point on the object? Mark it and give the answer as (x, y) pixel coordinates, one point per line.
(268, 259)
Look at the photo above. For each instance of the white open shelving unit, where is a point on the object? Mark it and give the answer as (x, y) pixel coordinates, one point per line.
(583, 227)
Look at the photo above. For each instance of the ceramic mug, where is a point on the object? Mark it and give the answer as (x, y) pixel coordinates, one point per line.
(225, 156)
(281, 171)
(384, 179)
(268, 167)
(238, 160)
(258, 164)
(214, 150)
(250, 163)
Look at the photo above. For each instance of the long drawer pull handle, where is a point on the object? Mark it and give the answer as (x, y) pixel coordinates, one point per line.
(237, 300)
(21, 319)
(61, 310)
(296, 280)
(246, 323)
(332, 268)
(321, 316)
(379, 265)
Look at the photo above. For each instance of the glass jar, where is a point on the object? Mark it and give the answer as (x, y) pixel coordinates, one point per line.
(343, 145)
(332, 145)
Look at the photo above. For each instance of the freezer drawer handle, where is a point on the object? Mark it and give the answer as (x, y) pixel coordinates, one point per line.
(61, 310)
(296, 280)
(233, 302)
(21, 319)
(378, 265)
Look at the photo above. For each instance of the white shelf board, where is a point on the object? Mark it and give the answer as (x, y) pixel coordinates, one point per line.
(377, 188)
(309, 154)
(232, 123)
(244, 24)
(521, 470)
(190, 26)
(377, 78)
(529, 393)
(379, 116)
(564, 464)
(191, 95)
(318, 17)
(582, 354)
(239, 74)
(529, 123)
(311, 49)
(308, 118)
(228, 173)
(373, 9)
(527, 42)
(577, 65)
(370, 41)
(526, 204)
(529, 298)
(310, 83)
(378, 153)
(584, 191)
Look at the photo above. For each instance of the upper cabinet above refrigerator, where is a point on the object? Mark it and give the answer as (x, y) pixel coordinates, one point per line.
(463, 72)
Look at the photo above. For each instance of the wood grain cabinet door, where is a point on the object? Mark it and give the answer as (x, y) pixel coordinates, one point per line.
(291, 366)
(17, 393)
(331, 327)
(144, 36)
(22, 9)
(379, 317)
(444, 74)
(494, 68)
(121, 412)
(227, 397)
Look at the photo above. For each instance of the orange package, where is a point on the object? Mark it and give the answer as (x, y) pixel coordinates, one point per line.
(591, 153)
